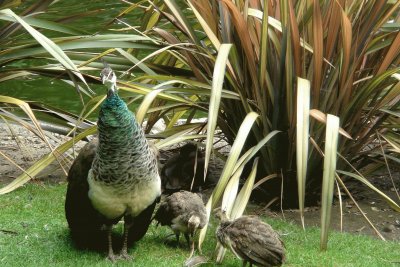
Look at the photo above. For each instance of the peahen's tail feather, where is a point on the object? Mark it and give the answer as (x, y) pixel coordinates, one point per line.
(140, 229)
(85, 223)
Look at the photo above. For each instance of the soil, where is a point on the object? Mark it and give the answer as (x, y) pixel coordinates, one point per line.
(23, 148)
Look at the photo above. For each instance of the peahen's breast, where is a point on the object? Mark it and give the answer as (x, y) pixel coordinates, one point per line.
(124, 157)
(124, 176)
(114, 202)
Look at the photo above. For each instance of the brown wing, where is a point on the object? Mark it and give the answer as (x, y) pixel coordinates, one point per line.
(84, 221)
(164, 214)
(181, 204)
(255, 241)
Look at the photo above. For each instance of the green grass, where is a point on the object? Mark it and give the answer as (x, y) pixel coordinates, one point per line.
(35, 215)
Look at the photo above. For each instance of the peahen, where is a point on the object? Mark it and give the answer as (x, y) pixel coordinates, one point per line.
(185, 213)
(112, 178)
(252, 240)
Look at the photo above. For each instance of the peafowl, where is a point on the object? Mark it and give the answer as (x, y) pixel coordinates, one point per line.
(252, 240)
(185, 171)
(112, 178)
(185, 213)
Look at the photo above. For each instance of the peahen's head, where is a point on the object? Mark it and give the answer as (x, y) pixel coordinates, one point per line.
(113, 111)
(109, 78)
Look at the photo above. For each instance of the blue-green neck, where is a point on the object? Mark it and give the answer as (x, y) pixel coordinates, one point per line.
(123, 153)
(114, 113)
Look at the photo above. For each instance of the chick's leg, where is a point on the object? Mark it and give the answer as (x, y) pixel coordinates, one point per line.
(190, 244)
(177, 235)
(187, 239)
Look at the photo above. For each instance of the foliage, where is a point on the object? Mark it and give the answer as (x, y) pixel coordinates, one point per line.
(332, 133)
(333, 44)
(180, 58)
(43, 240)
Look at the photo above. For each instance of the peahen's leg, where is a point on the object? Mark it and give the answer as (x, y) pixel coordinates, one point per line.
(128, 222)
(111, 255)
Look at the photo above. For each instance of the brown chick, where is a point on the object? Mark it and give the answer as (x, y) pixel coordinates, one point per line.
(184, 212)
(185, 170)
(252, 240)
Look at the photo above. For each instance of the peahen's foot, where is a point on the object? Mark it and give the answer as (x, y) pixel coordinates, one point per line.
(111, 257)
(124, 251)
(125, 256)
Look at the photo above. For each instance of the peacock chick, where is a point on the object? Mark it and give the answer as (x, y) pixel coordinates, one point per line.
(251, 240)
(185, 213)
(185, 170)
(115, 178)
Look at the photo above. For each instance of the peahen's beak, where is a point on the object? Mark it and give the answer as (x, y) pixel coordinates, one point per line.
(103, 79)
(109, 79)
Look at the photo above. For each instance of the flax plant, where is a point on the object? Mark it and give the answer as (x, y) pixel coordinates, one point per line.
(348, 51)
(237, 63)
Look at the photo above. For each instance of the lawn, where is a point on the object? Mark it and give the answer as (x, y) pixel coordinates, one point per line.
(33, 231)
